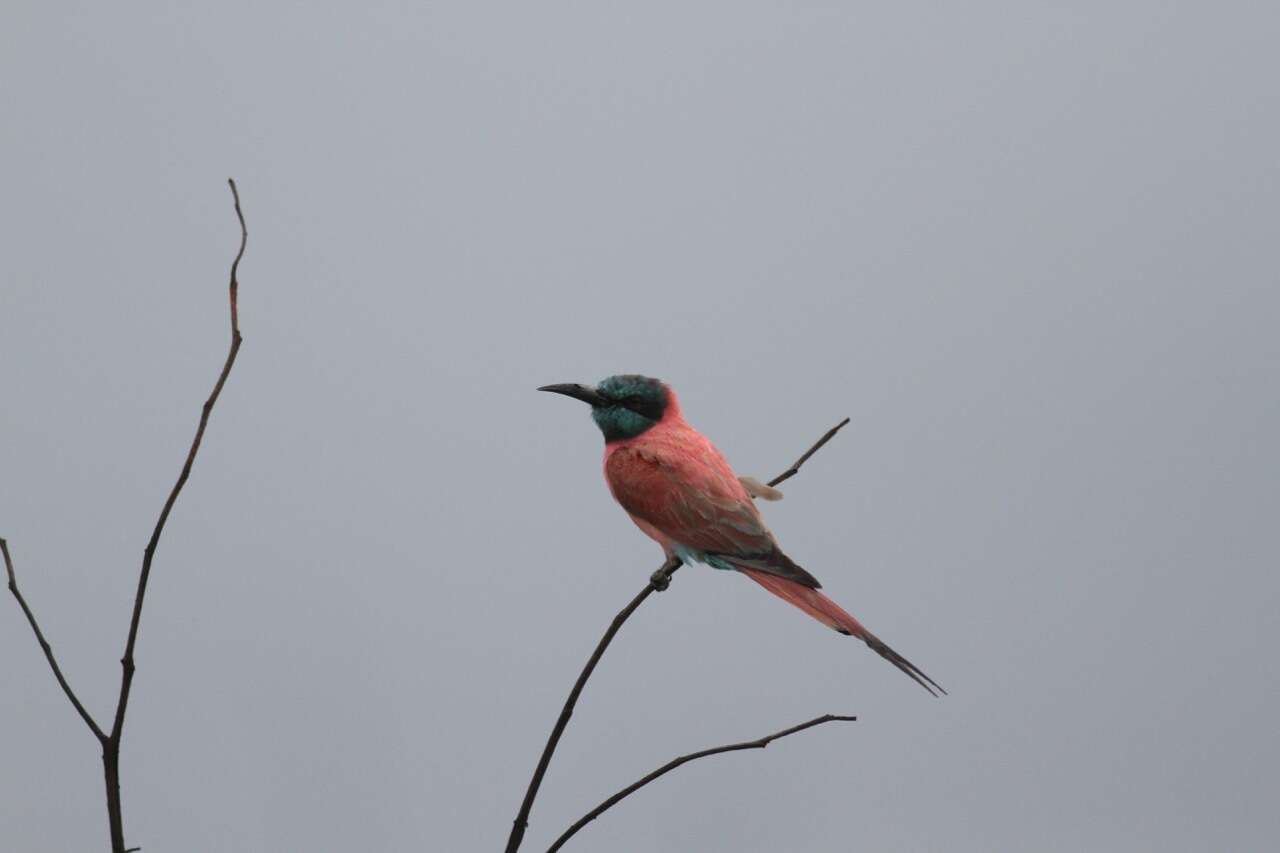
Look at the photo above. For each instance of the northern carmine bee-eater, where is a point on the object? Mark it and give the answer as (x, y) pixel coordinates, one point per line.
(680, 491)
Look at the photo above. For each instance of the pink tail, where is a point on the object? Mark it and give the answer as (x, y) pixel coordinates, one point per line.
(832, 615)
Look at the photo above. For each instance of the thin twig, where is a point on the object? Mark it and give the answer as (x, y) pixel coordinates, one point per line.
(658, 582)
(795, 468)
(761, 743)
(148, 554)
(522, 822)
(48, 650)
(111, 742)
(111, 746)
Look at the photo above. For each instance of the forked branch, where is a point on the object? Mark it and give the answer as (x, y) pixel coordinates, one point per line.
(659, 581)
(110, 741)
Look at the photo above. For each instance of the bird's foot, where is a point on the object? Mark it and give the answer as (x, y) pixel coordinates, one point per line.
(660, 580)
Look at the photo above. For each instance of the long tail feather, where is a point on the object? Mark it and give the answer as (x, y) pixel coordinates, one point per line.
(832, 615)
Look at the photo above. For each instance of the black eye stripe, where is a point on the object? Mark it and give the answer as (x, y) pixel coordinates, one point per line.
(638, 394)
(651, 409)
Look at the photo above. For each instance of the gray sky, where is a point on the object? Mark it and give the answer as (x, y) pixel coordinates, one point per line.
(1030, 251)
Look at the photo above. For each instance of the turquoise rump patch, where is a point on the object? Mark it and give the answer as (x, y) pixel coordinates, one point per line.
(692, 555)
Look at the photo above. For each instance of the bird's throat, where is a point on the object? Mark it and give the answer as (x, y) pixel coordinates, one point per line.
(619, 423)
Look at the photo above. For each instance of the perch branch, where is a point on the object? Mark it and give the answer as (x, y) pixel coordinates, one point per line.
(658, 582)
(760, 743)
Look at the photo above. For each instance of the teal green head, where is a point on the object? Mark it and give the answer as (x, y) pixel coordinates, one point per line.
(622, 406)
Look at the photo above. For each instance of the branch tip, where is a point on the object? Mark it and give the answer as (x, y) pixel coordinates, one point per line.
(758, 743)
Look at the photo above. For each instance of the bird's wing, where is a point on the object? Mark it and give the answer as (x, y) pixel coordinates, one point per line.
(692, 496)
(757, 489)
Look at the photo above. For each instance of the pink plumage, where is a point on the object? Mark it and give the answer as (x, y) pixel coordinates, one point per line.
(680, 490)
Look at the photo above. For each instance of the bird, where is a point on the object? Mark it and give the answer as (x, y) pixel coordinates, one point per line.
(681, 491)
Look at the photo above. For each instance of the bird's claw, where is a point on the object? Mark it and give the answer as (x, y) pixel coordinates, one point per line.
(660, 579)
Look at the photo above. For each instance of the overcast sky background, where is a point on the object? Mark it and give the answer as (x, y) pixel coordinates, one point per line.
(1030, 252)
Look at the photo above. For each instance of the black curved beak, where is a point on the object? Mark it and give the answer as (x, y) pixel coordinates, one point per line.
(578, 392)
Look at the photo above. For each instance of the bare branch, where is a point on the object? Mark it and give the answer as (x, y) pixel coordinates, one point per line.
(111, 742)
(761, 743)
(46, 648)
(522, 819)
(795, 467)
(658, 582)
(148, 554)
